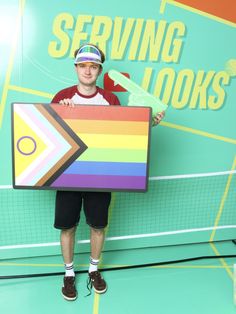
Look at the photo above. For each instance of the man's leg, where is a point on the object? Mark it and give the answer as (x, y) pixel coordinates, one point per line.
(67, 247)
(67, 215)
(97, 237)
(96, 207)
(67, 244)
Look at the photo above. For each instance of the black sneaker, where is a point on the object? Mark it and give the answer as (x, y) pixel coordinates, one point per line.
(96, 281)
(68, 290)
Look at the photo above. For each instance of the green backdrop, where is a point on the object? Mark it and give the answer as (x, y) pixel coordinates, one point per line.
(173, 51)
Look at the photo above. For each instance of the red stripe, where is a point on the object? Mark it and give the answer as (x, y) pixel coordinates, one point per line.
(116, 113)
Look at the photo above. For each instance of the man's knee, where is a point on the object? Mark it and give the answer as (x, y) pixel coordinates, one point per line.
(97, 232)
(68, 232)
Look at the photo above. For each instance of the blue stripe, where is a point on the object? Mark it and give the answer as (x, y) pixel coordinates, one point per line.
(107, 168)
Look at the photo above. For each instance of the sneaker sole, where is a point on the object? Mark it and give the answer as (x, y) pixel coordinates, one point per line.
(100, 291)
(68, 298)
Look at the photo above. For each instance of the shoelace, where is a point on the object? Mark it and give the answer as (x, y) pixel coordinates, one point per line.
(90, 284)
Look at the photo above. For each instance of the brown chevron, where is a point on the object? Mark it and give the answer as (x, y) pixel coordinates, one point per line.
(77, 146)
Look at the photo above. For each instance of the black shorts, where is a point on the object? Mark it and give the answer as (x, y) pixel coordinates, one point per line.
(69, 204)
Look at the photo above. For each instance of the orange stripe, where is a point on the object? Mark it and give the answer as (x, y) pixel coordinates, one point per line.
(108, 127)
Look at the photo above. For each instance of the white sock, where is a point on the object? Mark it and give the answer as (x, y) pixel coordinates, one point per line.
(93, 266)
(69, 268)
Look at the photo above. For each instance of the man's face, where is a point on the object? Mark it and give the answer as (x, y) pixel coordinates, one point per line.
(88, 73)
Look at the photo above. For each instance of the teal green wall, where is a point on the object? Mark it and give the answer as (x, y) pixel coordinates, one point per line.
(176, 54)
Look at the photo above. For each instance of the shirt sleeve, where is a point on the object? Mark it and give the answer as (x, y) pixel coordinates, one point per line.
(64, 93)
(57, 98)
(116, 101)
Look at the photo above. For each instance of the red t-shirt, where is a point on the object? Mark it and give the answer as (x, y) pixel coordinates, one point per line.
(100, 97)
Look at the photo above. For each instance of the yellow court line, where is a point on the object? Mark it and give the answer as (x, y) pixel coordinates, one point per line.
(217, 220)
(222, 203)
(31, 265)
(194, 266)
(96, 295)
(11, 61)
(113, 266)
(198, 132)
(208, 15)
(30, 91)
(96, 303)
(223, 262)
(39, 265)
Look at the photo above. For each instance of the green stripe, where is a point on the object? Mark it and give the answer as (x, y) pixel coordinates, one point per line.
(114, 155)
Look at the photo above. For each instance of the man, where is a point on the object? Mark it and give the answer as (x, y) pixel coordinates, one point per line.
(88, 65)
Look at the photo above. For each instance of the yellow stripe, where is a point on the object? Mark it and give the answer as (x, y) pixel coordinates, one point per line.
(114, 141)
(223, 262)
(11, 61)
(30, 91)
(222, 203)
(198, 132)
(208, 15)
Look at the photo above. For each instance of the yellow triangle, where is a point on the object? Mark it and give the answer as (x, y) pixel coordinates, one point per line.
(27, 145)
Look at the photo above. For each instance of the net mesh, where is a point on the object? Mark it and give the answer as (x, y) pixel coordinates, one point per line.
(172, 205)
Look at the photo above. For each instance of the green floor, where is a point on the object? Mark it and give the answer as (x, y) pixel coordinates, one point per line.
(203, 286)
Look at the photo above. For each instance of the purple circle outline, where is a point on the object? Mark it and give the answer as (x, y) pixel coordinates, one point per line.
(18, 145)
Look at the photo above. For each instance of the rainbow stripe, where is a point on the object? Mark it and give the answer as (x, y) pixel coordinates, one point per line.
(88, 147)
(117, 155)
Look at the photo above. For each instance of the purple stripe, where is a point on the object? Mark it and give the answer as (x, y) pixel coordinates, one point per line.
(97, 182)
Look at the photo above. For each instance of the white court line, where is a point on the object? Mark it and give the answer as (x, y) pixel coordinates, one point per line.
(194, 175)
(5, 187)
(127, 237)
(181, 176)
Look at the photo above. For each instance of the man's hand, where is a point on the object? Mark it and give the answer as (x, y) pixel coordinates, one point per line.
(67, 102)
(157, 119)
